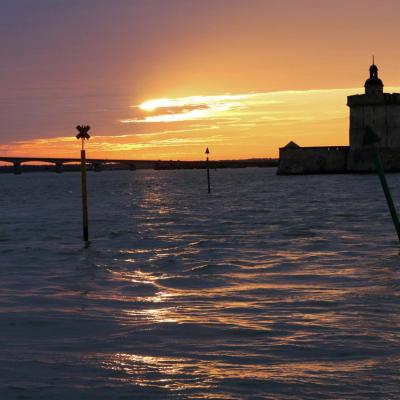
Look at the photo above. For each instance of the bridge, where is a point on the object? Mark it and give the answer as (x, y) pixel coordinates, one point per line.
(98, 164)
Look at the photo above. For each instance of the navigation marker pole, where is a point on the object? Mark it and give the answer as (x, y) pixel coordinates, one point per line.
(83, 135)
(370, 137)
(208, 171)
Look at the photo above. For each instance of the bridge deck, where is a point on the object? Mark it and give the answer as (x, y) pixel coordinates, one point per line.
(56, 160)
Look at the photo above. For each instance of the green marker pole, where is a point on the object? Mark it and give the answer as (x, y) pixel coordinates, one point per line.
(370, 137)
(386, 190)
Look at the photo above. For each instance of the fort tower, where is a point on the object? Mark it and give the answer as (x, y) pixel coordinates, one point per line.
(379, 110)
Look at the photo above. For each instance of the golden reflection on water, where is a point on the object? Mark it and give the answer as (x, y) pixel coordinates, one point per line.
(230, 305)
(158, 315)
(150, 370)
(227, 304)
(137, 276)
(141, 277)
(178, 373)
(252, 299)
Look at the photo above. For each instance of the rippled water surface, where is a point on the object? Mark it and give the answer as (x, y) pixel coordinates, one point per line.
(272, 287)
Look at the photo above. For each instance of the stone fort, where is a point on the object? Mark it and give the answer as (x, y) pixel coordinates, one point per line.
(374, 108)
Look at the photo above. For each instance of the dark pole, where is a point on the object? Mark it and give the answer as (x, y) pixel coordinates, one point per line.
(386, 190)
(84, 197)
(370, 137)
(83, 135)
(208, 171)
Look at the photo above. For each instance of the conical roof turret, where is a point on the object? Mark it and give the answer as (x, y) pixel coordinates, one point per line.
(373, 85)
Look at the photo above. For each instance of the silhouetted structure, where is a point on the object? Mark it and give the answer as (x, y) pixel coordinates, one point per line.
(98, 164)
(375, 109)
(84, 135)
(208, 170)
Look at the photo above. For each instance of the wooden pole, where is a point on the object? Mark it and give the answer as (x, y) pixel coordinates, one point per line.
(84, 197)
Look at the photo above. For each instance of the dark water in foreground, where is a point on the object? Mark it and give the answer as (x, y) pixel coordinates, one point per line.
(269, 288)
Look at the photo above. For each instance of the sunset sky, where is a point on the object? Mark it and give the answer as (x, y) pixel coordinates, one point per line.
(164, 79)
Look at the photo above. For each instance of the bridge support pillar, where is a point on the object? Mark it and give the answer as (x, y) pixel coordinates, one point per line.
(98, 166)
(17, 167)
(59, 167)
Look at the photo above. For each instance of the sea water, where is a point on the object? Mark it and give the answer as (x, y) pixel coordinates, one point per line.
(270, 287)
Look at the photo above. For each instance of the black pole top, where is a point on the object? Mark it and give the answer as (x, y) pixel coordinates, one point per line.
(83, 132)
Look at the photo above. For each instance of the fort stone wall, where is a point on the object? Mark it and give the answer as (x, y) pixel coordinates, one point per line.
(361, 160)
(312, 160)
(334, 160)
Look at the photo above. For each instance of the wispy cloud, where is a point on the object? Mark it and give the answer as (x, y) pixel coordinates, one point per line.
(163, 143)
(187, 108)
